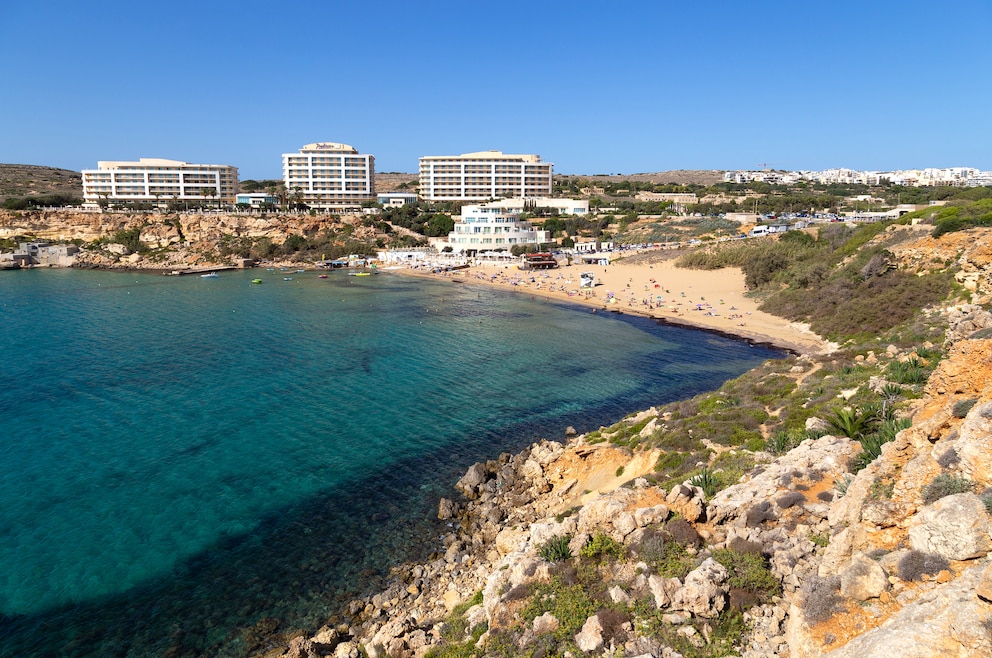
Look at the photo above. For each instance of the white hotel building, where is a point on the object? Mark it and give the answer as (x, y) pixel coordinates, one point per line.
(329, 175)
(493, 226)
(159, 180)
(484, 175)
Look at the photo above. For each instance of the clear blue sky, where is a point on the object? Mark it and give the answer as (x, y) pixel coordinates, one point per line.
(606, 87)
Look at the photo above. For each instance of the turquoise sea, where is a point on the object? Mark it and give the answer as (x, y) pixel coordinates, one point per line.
(190, 464)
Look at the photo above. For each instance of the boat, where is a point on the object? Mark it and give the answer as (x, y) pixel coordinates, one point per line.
(210, 275)
(256, 280)
(287, 278)
(321, 276)
(301, 270)
(353, 273)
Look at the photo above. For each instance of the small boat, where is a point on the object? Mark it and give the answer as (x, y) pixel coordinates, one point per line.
(287, 278)
(359, 274)
(321, 276)
(210, 275)
(301, 270)
(256, 280)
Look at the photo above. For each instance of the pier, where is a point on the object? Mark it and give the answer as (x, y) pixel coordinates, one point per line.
(201, 270)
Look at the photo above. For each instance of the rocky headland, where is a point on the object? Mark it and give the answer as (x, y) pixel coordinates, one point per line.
(814, 559)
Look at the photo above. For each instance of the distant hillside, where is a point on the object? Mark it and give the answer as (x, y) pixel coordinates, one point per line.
(20, 180)
(678, 176)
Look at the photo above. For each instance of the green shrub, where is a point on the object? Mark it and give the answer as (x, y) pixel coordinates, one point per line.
(603, 546)
(962, 407)
(749, 572)
(945, 484)
(556, 549)
(570, 604)
(666, 556)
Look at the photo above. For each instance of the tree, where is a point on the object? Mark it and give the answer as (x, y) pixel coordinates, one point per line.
(208, 192)
(439, 225)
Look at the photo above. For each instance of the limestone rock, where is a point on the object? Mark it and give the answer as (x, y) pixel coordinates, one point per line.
(545, 624)
(590, 638)
(863, 579)
(984, 587)
(446, 509)
(702, 594)
(664, 590)
(688, 500)
(469, 482)
(956, 527)
(947, 621)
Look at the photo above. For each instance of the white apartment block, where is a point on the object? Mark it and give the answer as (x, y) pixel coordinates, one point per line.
(951, 176)
(329, 175)
(159, 180)
(493, 226)
(484, 175)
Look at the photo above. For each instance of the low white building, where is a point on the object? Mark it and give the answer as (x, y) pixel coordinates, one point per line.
(396, 199)
(493, 226)
(563, 206)
(256, 199)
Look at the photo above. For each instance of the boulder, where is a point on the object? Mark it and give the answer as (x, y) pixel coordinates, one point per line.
(689, 501)
(446, 509)
(664, 590)
(590, 638)
(702, 594)
(545, 624)
(956, 527)
(863, 579)
(469, 483)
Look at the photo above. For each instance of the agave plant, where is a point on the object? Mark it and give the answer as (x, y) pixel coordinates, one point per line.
(706, 481)
(852, 423)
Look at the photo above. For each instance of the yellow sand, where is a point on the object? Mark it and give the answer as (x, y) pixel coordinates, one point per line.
(712, 299)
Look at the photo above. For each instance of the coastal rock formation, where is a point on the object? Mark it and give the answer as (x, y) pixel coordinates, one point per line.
(892, 558)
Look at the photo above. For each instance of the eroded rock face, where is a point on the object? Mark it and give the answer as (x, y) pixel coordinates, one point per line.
(947, 621)
(956, 527)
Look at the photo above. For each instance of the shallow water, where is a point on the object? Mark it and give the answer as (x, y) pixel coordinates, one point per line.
(186, 457)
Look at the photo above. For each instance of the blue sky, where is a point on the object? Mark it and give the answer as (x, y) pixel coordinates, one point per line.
(611, 87)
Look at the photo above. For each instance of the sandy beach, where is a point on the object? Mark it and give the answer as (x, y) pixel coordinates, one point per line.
(650, 284)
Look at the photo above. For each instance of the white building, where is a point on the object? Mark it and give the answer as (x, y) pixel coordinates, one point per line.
(493, 227)
(329, 175)
(159, 180)
(256, 199)
(484, 175)
(396, 199)
(563, 206)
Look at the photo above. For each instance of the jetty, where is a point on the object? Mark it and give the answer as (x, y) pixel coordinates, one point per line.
(201, 270)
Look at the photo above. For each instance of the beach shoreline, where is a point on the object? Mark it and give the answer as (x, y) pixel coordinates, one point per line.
(712, 300)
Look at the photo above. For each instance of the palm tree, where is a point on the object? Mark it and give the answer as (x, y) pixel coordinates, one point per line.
(208, 192)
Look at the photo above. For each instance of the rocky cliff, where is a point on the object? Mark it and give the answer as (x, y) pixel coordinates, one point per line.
(802, 557)
(173, 239)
